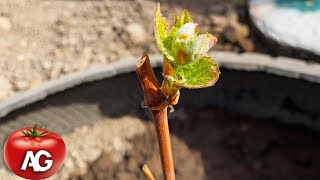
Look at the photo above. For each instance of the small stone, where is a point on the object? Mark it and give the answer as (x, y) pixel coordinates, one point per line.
(56, 70)
(136, 33)
(21, 85)
(46, 65)
(67, 68)
(5, 23)
(5, 87)
(21, 57)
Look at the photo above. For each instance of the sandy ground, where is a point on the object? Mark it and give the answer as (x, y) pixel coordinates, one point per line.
(44, 39)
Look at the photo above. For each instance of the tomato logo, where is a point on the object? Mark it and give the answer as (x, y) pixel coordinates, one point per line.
(34, 152)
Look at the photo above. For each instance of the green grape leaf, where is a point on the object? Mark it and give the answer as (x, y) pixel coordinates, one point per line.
(186, 52)
(202, 45)
(183, 19)
(160, 28)
(197, 74)
(168, 41)
(163, 39)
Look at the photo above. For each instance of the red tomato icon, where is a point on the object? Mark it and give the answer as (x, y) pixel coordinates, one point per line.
(34, 152)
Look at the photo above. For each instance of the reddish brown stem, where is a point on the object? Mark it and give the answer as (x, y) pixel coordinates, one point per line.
(155, 100)
(161, 123)
(153, 97)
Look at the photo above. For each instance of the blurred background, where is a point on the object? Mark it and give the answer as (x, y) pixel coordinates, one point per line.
(43, 40)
